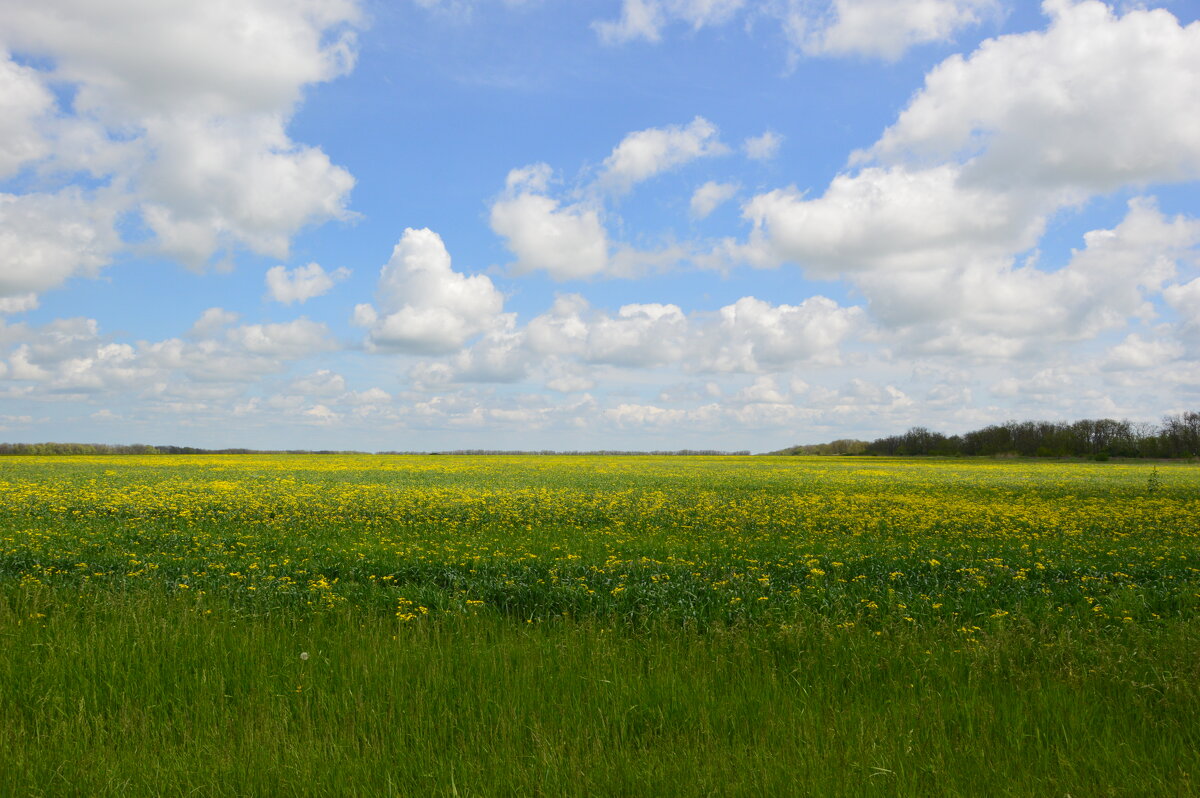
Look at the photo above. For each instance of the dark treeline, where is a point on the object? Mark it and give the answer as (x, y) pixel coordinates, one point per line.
(840, 446)
(76, 448)
(1177, 437)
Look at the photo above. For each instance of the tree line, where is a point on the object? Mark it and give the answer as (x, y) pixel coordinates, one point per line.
(1178, 436)
(50, 448)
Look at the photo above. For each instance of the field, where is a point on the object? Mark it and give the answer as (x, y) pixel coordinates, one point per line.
(369, 625)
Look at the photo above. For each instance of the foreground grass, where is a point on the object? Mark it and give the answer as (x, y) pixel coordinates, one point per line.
(144, 694)
(597, 626)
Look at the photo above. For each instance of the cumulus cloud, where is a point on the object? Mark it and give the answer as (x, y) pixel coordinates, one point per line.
(19, 303)
(566, 241)
(640, 335)
(764, 147)
(646, 153)
(289, 340)
(211, 321)
(644, 19)
(24, 100)
(566, 237)
(997, 141)
(881, 28)
(1136, 352)
(426, 307)
(752, 335)
(1029, 110)
(245, 184)
(572, 346)
(889, 218)
(1000, 309)
(930, 223)
(73, 357)
(872, 28)
(1185, 300)
(321, 383)
(708, 197)
(301, 283)
(177, 112)
(562, 344)
(46, 239)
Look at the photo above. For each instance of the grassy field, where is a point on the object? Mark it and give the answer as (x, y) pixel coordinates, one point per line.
(364, 625)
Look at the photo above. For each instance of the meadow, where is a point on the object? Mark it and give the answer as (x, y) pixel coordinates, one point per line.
(433, 625)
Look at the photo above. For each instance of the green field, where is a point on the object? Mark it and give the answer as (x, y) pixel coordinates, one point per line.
(367, 625)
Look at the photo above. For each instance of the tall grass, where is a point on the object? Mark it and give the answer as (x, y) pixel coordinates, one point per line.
(144, 694)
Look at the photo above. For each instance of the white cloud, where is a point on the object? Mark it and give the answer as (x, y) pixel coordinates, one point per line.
(562, 329)
(567, 242)
(644, 19)
(1054, 382)
(45, 239)
(245, 184)
(320, 414)
(156, 55)
(70, 356)
(301, 283)
(708, 197)
(564, 346)
(646, 153)
(882, 28)
(1049, 109)
(19, 303)
(179, 111)
(929, 226)
(425, 306)
(997, 309)
(752, 335)
(640, 19)
(639, 335)
(763, 389)
(497, 357)
(873, 28)
(996, 142)
(1185, 299)
(212, 320)
(568, 239)
(288, 340)
(764, 147)
(368, 398)
(749, 335)
(1136, 352)
(322, 383)
(23, 101)
(889, 219)
(217, 352)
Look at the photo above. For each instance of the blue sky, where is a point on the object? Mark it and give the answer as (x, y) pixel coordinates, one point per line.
(634, 224)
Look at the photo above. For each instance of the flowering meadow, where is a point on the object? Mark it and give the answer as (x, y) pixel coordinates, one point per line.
(698, 540)
(661, 608)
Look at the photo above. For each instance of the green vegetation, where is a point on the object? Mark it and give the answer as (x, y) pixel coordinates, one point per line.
(597, 626)
(1100, 439)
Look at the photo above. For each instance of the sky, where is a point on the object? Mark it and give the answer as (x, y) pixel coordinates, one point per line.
(424, 225)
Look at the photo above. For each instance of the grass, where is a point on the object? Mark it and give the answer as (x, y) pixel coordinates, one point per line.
(1080, 678)
(143, 695)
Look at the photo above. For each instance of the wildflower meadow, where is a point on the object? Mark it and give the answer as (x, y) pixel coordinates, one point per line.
(523, 625)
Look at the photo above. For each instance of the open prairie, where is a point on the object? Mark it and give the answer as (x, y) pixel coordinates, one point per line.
(405, 625)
